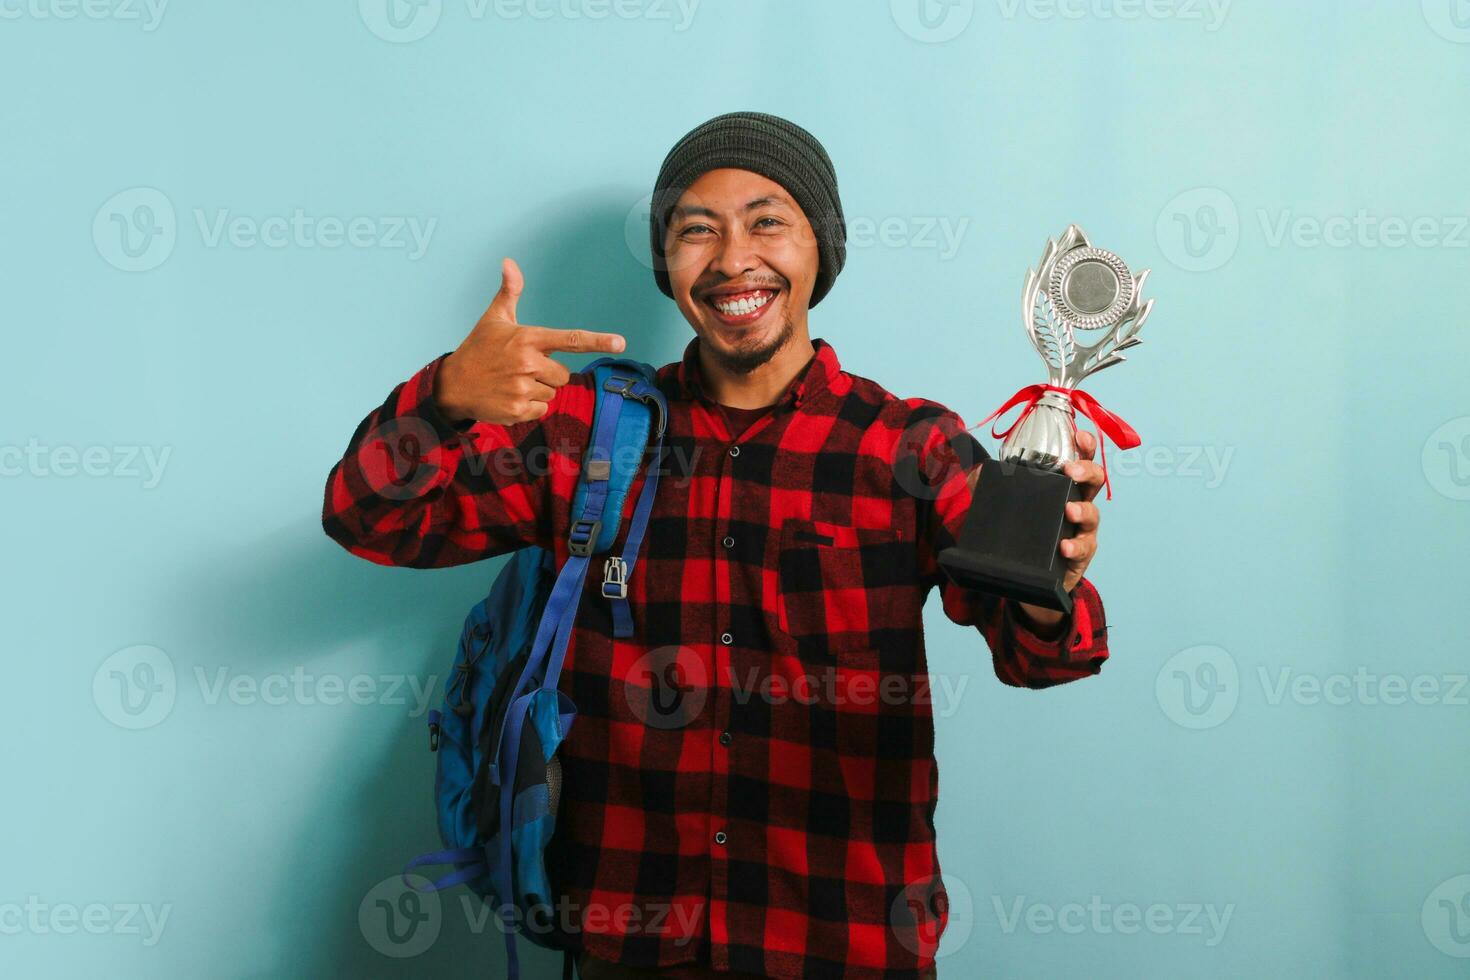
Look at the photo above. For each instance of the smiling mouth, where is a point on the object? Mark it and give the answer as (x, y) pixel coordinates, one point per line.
(738, 309)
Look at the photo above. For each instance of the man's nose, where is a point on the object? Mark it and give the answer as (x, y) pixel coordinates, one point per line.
(737, 255)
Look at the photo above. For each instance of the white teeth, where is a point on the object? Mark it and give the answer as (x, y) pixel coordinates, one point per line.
(744, 306)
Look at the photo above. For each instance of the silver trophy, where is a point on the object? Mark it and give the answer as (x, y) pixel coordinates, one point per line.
(1082, 308)
(1078, 292)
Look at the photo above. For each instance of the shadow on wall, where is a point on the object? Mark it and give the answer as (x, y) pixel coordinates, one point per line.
(296, 598)
(597, 276)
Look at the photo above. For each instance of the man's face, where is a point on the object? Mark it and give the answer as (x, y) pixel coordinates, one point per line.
(742, 262)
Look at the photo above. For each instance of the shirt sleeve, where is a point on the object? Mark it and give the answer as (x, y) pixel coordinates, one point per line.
(944, 454)
(415, 490)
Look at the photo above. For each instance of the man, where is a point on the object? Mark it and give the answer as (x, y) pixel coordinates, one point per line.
(782, 823)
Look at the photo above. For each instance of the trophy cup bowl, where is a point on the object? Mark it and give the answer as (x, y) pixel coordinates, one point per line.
(1082, 307)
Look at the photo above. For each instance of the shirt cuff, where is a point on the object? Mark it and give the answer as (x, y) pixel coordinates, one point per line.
(1081, 642)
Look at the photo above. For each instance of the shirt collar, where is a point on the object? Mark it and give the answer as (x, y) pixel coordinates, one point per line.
(814, 377)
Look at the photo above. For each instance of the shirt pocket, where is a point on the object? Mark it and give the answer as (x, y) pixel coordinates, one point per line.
(838, 584)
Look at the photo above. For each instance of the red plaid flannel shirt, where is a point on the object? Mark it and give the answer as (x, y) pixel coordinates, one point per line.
(751, 781)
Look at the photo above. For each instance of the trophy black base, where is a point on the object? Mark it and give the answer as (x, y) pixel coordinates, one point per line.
(1008, 546)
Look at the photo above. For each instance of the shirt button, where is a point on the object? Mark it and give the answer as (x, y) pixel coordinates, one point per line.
(729, 542)
(720, 837)
(725, 738)
(734, 450)
(726, 639)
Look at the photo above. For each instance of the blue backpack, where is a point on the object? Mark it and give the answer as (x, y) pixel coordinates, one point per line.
(498, 779)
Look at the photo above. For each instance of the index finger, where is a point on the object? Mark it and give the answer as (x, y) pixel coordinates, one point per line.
(1087, 475)
(1086, 444)
(577, 341)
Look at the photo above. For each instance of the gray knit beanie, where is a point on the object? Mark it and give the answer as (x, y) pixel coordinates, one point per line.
(772, 147)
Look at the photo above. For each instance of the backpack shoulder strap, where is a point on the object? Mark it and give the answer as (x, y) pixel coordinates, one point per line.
(630, 414)
(621, 428)
(620, 384)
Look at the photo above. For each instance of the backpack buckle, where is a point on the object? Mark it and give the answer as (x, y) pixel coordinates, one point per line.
(583, 536)
(615, 574)
(624, 386)
(620, 385)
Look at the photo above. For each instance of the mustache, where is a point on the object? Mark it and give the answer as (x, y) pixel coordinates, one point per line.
(774, 283)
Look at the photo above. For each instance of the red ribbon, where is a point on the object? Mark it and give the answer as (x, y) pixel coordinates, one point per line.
(1108, 424)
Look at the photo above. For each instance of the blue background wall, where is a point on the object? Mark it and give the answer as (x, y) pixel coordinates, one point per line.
(1280, 736)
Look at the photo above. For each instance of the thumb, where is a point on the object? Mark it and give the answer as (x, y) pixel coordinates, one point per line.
(503, 306)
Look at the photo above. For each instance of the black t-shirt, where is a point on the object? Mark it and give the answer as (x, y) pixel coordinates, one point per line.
(740, 419)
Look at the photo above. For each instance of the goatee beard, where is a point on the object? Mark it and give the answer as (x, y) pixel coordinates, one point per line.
(742, 361)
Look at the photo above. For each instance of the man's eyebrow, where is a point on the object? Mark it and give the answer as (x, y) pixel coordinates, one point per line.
(685, 211)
